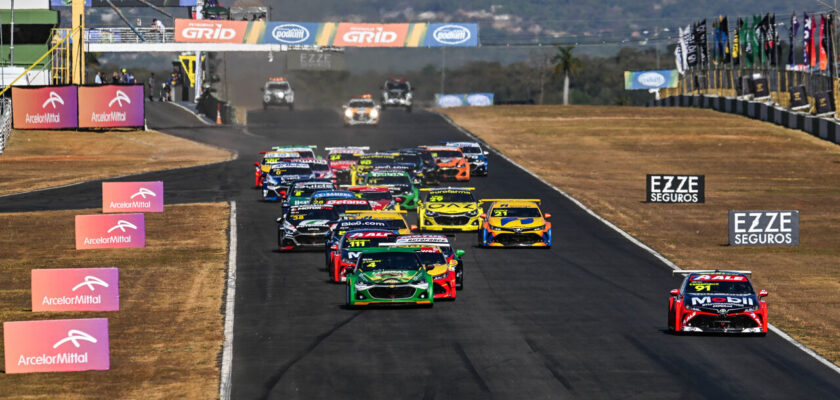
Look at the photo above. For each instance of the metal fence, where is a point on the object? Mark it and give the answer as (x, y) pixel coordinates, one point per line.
(127, 35)
(5, 123)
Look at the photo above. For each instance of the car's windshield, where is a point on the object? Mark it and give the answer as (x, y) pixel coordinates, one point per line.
(291, 171)
(278, 86)
(451, 197)
(378, 160)
(376, 196)
(388, 180)
(428, 258)
(389, 261)
(306, 191)
(396, 85)
(713, 286)
(319, 167)
(516, 212)
(409, 158)
(304, 153)
(360, 104)
(301, 215)
(396, 224)
(344, 157)
(348, 207)
(471, 150)
(447, 153)
(366, 239)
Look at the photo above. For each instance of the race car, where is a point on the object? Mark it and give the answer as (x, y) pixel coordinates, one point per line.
(300, 192)
(342, 159)
(302, 151)
(448, 209)
(514, 223)
(389, 276)
(343, 226)
(342, 206)
(429, 168)
(397, 92)
(278, 92)
(398, 182)
(320, 167)
(361, 111)
(268, 159)
(278, 179)
(369, 162)
(379, 197)
(717, 301)
(476, 156)
(321, 197)
(443, 274)
(343, 256)
(453, 256)
(451, 163)
(395, 219)
(305, 226)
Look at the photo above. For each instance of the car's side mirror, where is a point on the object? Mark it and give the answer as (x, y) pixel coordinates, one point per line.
(279, 219)
(483, 216)
(762, 293)
(547, 215)
(334, 247)
(399, 200)
(460, 253)
(256, 164)
(675, 292)
(413, 227)
(486, 153)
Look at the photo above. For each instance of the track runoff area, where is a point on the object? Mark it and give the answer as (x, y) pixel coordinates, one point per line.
(585, 318)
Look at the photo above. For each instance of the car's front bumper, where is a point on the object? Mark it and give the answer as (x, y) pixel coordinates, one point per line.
(396, 101)
(706, 322)
(450, 222)
(531, 238)
(361, 119)
(391, 294)
(454, 173)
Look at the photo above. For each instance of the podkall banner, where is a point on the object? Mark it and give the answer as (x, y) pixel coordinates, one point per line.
(56, 345)
(111, 106)
(120, 197)
(449, 35)
(49, 107)
(110, 231)
(463, 100)
(75, 289)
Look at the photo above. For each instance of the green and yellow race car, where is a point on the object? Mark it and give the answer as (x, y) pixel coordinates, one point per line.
(398, 182)
(448, 209)
(389, 276)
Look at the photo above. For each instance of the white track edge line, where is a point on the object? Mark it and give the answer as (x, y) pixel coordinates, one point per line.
(227, 346)
(187, 109)
(807, 350)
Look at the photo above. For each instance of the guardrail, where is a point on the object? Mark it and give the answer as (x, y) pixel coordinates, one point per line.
(124, 35)
(5, 122)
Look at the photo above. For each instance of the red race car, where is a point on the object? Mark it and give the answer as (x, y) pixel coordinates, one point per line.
(342, 159)
(379, 197)
(717, 302)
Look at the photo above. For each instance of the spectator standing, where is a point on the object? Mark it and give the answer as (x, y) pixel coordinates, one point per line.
(98, 78)
(115, 78)
(129, 79)
(123, 77)
(151, 84)
(156, 23)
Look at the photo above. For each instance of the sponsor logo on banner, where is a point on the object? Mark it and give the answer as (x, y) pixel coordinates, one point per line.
(56, 345)
(132, 197)
(75, 289)
(110, 231)
(299, 33)
(460, 100)
(449, 100)
(108, 106)
(453, 34)
(676, 188)
(209, 31)
(643, 80)
(52, 107)
(370, 35)
(480, 99)
(764, 228)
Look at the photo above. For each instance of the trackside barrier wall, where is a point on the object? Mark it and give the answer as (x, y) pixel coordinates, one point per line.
(72, 106)
(823, 128)
(5, 123)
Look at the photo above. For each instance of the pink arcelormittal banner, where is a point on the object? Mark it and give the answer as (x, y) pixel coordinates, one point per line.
(110, 231)
(132, 197)
(75, 289)
(56, 345)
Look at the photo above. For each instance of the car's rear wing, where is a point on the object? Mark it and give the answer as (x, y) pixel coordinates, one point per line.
(447, 188)
(376, 212)
(709, 271)
(415, 244)
(363, 148)
(494, 200)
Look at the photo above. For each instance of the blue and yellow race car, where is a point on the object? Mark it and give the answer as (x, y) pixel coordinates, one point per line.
(514, 223)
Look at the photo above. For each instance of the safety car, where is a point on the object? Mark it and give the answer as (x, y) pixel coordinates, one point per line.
(476, 156)
(717, 301)
(343, 258)
(452, 165)
(276, 182)
(448, 209)
(278, 92)
(389, 276)
(305, 226)
(361, 111)
(398, 182)
(514, 223)
(397, 92)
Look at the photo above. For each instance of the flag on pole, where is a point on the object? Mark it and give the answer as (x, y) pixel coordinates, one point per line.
(792, 30)
(821, 42)
(806, 39)
(736, 43)
(702, 46)
(691, 45)
(724, 30)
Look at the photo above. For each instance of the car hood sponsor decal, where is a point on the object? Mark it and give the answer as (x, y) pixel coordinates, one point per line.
(386, 277)
(516, 223)
(720, 300)
(451, 208)
(314, 222)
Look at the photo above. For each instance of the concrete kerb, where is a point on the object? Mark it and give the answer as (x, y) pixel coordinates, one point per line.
(637, 242)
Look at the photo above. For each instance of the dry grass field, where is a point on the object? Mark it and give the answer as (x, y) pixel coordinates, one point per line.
(600, 155)
(166, 339)
(40, 159)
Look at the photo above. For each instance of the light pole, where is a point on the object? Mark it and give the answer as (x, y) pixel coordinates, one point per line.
(199, 14)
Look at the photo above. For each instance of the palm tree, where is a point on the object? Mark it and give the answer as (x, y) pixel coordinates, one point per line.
(567, 64)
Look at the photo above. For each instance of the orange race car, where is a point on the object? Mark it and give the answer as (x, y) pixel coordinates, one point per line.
(451, 162)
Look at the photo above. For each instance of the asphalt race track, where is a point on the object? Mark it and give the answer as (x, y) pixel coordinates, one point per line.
(585, 319)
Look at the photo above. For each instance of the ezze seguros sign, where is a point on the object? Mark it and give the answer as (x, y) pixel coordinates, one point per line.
(764, 228)
(675, 188)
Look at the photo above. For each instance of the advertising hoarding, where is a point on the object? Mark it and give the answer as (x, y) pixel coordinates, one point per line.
(111, 106)
(75, 289)
(49, 107)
